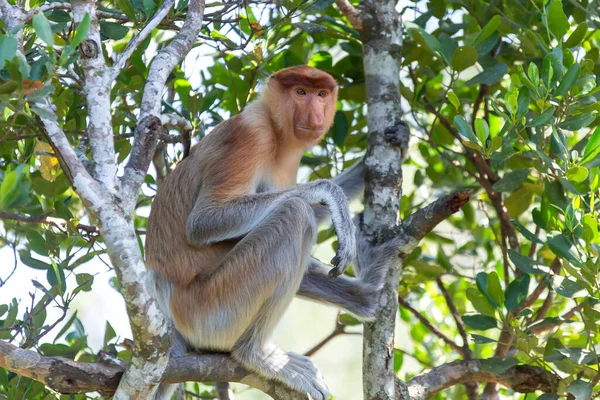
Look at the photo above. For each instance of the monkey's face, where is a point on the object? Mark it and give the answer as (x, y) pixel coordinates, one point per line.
(313, 112)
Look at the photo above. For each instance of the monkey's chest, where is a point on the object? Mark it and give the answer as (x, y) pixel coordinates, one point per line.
(272, 182)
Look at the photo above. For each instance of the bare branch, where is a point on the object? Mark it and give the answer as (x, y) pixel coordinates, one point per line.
(432, 328)
(67, 6)
(459, 322)
(351, 13)
(69, 161)
(520, 378)
(224, 391)
(97, 89)
(46, 219)
(425, 219)
(161, 67)
(67, 376)
(133, 44)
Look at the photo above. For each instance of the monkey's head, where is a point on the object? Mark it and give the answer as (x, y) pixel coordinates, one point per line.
(302, 100)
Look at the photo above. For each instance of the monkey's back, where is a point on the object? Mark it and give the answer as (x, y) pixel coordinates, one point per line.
(167, 249)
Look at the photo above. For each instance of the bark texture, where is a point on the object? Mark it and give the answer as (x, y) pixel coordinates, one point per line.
(382, 40)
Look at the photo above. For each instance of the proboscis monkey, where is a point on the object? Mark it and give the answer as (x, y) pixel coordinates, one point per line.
(230, 233)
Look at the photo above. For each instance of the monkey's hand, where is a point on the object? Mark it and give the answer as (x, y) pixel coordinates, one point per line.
(332, 196)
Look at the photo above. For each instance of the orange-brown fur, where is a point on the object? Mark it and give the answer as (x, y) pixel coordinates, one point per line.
(257, 143)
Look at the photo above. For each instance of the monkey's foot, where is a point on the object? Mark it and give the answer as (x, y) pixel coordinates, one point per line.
(301, 374)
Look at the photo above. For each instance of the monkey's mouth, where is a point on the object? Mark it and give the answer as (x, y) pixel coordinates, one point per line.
(304, 128)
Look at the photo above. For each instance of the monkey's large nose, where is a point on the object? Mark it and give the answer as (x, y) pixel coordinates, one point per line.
(316, 120)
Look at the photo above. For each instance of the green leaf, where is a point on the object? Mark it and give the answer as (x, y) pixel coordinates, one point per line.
(567, 287)
(339, 130)
(482, 130)
(32, 262)
(577, 35)
(56, 277)
(423, 37)
(516, 293)
(317, 5)
(480, 322)
(592, 146)
(43, 29)
(453, 99)
(494, 288)
(543, 117)
(495, 144)
(558, 23)
(534, 74)
(526, 264)
(590, 228)
(42, 113)
(577, 174)
(310, 27)
(109, 333)
(525, 232)
(580, 389)
(8, 87)
(347, 319)
(488, 29)
(82, 31)
(85, 258)
(37, 243)
(568, 80)
(8, 49)
(511, 181)
(518, 202)
(562, 247)
(464, 57)
(480, 302)
(113, 30)
(578, 121)
(489, 76)
(547, 71)
(84, 281)
(80, 35)
(478, 339)
(465, 129)
(8, 187)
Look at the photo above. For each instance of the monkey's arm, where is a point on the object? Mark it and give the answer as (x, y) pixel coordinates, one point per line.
(352, 182)
(211, 221)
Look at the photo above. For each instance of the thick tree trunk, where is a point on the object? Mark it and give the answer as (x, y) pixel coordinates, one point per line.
(382, 41)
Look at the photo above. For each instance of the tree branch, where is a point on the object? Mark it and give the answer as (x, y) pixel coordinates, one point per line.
(425, 219)
(67, 376)
(457, 318)
(433, 329)
(97, 90)
(67, 6)
(350, 12)
(520, 378)
(46, 219)
(161, 67)
(133, 44)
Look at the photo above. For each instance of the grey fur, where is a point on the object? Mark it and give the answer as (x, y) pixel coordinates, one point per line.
(278, 230)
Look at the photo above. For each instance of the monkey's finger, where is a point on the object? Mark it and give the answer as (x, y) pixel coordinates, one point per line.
(335, 261)
(334, 272)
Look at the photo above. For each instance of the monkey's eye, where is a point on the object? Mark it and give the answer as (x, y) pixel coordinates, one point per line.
(301, 92)
(322, 93)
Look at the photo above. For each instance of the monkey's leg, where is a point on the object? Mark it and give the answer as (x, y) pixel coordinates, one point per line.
(356, 295)
(240, 304)
(287, 253)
